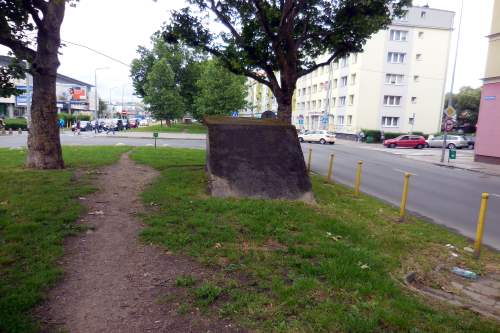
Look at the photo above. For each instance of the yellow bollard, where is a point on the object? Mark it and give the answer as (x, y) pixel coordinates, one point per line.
(358, 178)
(480, 225)
(330, 169)
(309, 161)
(404, 198)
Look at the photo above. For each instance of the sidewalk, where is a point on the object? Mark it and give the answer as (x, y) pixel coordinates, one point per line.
(465, 157)
(161, 135)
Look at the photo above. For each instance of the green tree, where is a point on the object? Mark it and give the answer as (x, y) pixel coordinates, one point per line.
(220, 92)
(162, 92)
(264, 37)
(103, 106)
(183, 60)
(18, 19)
(466, 102)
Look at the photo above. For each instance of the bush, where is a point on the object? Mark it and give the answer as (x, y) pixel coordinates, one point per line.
(72, 118)
(16, 123)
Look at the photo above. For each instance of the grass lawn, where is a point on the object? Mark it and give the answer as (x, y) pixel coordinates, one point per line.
(291, 267)
(195, 128)
(37, 210)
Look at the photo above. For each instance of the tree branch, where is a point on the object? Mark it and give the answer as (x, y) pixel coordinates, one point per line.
(316, 66)
(18, 47)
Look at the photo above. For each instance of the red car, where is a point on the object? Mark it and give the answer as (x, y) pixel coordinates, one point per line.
(407, 141)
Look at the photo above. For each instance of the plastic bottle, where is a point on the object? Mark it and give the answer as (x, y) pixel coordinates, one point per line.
(464, 273)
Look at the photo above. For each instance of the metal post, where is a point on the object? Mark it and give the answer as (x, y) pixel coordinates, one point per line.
(309, 161)
(480, 225)
(358, 178)
(96, 112)
(450, 97)
(404, 197)
(330, 168)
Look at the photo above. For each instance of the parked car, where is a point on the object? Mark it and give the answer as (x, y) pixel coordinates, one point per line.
(471, 140)
(144, 122)
(452, 141)
(406, 141)
(321, 136)
(84, 126)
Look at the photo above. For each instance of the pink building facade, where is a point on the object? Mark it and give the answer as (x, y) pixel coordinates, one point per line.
(488, 126)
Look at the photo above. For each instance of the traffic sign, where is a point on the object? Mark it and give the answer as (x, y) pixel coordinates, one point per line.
(155, 134)
(451, 112)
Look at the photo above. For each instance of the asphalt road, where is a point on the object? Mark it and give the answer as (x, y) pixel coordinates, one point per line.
(450, 197)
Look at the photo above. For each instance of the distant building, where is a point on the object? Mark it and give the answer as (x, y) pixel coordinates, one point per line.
(396, 85)
(488, 127)
(72, 95)
(260, 98)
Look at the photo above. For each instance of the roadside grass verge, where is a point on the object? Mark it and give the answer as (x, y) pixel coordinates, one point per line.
(291, 267)
(195, 128)
(37, 211)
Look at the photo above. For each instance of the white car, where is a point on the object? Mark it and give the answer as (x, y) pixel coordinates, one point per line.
(143, 122)
(321, 136)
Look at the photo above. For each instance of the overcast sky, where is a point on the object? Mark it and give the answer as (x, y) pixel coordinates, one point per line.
(117, 27)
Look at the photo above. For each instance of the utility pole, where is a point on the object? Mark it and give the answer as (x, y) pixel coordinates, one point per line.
(96, 112)
(450, 97)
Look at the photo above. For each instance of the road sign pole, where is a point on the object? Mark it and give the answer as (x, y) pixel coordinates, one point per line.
(450, 97)
(358, 179)
(330, 169)
(404, 198)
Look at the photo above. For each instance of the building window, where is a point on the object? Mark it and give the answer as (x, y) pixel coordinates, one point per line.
(404, 16)
(353, 79)
(392, 100)
(390, 121)
(308, 106)
(342, 101)
(335, 83)
(411, 121)
(423, 14)
(343, 62)
(396, 57)
(334, 101)
(314, 105)
(416, 78)
(315, 88)
(354, 58)
(419, 56)
(349, 120)
(414, 100)
(309, 90)
(351, 99)
(343, 81)
(399, 35)
(340, 120)
(394, 78)
(321, 69)
(420, 34)
(319, 104)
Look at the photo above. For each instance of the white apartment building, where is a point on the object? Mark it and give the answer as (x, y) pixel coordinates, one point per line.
(396, 85)
(260, 98)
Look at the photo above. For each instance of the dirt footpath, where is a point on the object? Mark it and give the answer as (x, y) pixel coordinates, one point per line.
(112, 282)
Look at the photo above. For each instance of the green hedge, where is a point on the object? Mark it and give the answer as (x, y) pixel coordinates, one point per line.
(376, 135)
(71, 118)
(16, 123)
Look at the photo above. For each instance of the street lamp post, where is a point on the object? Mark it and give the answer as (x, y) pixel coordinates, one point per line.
(450, 97)
(96, 112)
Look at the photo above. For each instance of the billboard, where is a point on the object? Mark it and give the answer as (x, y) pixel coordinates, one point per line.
(71, 93)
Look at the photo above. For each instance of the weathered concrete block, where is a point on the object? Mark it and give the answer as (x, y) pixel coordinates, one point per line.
(255, 158)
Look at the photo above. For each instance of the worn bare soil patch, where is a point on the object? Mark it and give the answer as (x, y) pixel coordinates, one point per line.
(113, 282)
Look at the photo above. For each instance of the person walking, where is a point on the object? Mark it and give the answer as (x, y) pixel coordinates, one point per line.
(77, 129)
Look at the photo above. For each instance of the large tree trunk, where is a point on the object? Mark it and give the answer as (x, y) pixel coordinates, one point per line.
(285, 111)
(44, 145)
